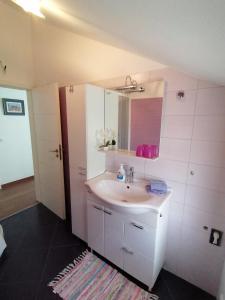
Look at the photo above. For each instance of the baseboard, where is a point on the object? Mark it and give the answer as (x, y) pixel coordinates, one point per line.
(221, 297)
(19, 211)
(7, 185)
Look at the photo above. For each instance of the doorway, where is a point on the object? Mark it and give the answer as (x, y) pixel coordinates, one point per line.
(17, 189)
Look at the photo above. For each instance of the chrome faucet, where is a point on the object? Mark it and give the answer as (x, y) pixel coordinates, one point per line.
(129, 177)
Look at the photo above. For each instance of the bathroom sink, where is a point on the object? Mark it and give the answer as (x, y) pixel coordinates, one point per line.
(130, 197)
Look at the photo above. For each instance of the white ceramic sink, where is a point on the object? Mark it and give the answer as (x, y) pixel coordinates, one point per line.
(122, 196)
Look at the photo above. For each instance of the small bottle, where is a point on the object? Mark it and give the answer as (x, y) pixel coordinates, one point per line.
(121, 173)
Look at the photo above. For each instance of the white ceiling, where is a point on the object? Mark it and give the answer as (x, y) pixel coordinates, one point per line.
(186, 34)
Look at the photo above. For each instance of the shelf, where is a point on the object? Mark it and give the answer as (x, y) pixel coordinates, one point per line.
(129, 153)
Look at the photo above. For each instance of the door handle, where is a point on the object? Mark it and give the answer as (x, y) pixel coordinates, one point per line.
(130, 252)
(82, 169)
(127, 251)
(108, 212)
(89, 190)
(137, 226)
(80, 173)
(96, 207)
(56, 151)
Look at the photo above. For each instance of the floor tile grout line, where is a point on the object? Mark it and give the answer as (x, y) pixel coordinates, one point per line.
(17, 282)
(46, 260)
(14, 252)
(168, 289)
(66, 245)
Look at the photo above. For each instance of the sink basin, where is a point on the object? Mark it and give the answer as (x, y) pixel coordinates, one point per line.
(120, 191)
(122, 196)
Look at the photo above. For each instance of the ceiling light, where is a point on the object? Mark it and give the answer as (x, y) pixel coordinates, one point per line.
(31, 6)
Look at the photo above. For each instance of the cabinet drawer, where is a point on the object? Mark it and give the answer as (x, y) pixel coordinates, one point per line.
(140, 238)
(149, 218)
(138, 266)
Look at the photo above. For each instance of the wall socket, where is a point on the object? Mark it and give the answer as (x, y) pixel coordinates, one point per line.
(215, 237)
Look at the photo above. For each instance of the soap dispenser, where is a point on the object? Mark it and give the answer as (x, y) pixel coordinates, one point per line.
(121, 173)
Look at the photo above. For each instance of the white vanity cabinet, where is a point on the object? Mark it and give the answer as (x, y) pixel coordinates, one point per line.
(135, 243)
(85, 115)
(95, 216)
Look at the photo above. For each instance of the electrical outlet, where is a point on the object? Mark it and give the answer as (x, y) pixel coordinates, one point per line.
(215, 237)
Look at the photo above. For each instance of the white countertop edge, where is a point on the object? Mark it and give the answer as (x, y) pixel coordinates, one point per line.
(147, 204)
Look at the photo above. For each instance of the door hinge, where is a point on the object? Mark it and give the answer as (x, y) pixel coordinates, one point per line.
(60, 152)
(71, 89)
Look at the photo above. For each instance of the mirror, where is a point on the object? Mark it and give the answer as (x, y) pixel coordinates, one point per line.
(117, 117)
(135, 119)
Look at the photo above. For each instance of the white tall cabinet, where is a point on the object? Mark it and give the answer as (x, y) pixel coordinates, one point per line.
(85, 116)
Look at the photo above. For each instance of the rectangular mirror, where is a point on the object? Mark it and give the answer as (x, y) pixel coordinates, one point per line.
(117, 117)
(135, 119)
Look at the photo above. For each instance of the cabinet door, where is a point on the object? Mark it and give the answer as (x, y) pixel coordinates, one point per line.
(78, 203)
(95, 220)
(76, 123)
(138, 266)
(114, 233)
(140, 237)
(94, 122)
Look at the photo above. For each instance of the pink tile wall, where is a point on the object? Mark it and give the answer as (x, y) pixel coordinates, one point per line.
(145, 122)
(192, 139)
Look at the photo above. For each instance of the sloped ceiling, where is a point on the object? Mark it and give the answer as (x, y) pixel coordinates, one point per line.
(186, 34)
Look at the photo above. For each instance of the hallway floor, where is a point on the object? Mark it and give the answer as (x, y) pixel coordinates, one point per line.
(16, 197)
(39, 247)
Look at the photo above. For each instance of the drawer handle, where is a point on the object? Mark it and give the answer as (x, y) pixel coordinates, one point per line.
(96, 207)
(80, 173)
(82, 169)
(127, 251)
(137, 226)
(108, 212)
(89, 190)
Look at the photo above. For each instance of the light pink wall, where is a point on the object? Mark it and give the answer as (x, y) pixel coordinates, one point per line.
(145, 121)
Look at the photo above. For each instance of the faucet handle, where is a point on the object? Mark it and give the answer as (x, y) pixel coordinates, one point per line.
(126, 168)
(132, 171)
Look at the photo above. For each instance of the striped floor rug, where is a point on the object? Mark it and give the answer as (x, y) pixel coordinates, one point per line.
(90, 278)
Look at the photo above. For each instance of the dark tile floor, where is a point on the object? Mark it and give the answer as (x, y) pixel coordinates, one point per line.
(39, 247)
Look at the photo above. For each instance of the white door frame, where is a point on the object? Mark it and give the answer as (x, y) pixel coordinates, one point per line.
(34, 145)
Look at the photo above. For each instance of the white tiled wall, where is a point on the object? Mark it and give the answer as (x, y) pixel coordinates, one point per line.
(193, 139)
(178, 126)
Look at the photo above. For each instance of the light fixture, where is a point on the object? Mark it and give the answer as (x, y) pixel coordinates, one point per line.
(31, 6)
(131, 86)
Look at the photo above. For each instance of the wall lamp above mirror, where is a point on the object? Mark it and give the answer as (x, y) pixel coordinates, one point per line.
(130, 86)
